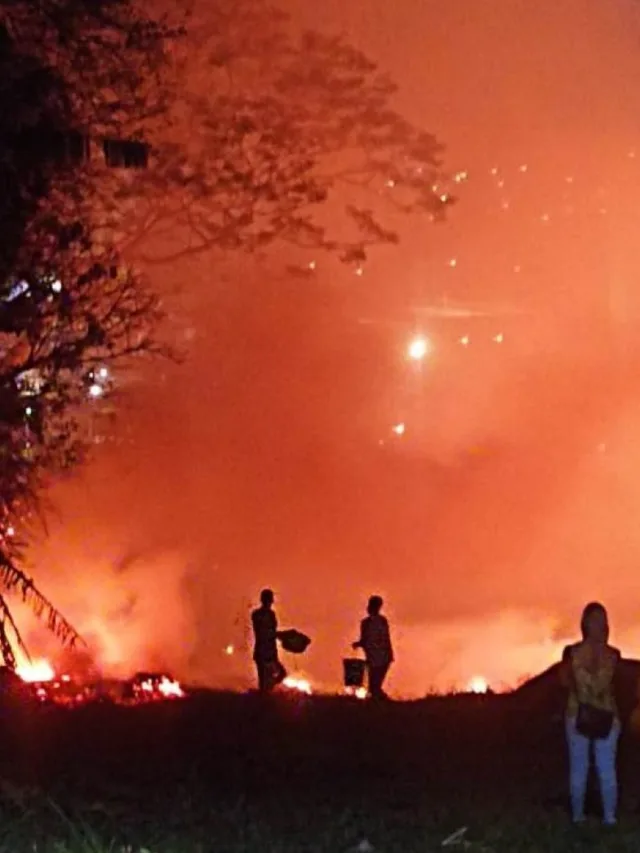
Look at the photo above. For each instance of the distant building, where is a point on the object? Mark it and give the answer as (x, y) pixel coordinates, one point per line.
(74, 148)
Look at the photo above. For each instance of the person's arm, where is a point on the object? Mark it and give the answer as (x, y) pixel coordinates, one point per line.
(387, 631)
(615, 676)
(360, 644)
(565, 674)
(277, 634)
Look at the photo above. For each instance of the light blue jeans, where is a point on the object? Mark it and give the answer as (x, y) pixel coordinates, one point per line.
(579, 761)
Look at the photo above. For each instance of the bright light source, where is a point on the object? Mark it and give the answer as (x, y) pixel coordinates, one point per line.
(40, 670)
(229, 650)
(357, 692)
(418, 348)
(499, 338)
(453, 262)
(478, 684)
(17, 290)
(103, 373)
(399, 429)
(299, 684)
(96, 391)
(464, 340)
(56, 286)
(11, 531)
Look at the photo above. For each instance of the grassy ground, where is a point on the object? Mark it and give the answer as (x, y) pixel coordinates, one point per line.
(231, 773)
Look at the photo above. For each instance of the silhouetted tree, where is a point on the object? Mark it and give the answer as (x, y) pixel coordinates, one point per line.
(72, 72)
(276, 139)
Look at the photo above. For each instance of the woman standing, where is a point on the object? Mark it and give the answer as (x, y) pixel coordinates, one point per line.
(588, 670)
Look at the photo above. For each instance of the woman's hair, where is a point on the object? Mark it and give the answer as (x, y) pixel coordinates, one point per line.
(590, 610)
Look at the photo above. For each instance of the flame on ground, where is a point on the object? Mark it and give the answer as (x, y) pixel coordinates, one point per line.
(356, 692)
(36, 671)
(166, 687)
(299, 684)
(478, 684)
(63, 689)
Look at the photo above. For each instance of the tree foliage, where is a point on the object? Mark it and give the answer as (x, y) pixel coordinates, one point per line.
(259, 138)
(71, 70)
(276, 138)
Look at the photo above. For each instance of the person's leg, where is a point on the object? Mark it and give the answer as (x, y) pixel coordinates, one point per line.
(280, 673)
(373, 675)
(383, 675)
(377, 675)
(578, 769)
(605, 754)
(262, 676)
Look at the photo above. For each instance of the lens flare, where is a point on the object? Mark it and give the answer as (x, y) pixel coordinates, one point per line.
(418, 348)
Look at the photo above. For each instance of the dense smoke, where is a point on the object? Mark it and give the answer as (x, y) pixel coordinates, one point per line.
(510, 500)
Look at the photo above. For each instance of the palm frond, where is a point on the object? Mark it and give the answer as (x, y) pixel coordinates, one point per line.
(8, 650)
(17, 581)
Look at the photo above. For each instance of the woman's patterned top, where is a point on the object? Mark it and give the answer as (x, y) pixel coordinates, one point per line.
(591, 672)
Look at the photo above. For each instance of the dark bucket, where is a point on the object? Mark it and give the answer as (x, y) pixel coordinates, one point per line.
(294, 641)
(354, 669)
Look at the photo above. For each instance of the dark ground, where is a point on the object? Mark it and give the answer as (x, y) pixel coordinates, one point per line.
(224, 772)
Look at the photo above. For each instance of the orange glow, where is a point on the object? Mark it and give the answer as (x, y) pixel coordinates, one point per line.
(164, 686)
(356, 692)
(478, 684)
(39, 670)
(170, 688)
(256, 461)
(301, 685)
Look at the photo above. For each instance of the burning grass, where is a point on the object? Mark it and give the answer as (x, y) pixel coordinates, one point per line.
(40, 681)
(296, 773)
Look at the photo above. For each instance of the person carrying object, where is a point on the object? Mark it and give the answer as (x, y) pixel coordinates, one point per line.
(375, 641)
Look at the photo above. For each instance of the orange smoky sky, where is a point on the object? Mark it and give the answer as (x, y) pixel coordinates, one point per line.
(512, 497)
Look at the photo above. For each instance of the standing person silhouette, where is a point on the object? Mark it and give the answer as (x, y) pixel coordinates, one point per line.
(375, 641)
(265, 648)
(588, 671)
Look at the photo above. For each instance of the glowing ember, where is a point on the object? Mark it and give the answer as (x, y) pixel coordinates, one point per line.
(65, 690)
(356, 692)
(299, 684)
(170, 688)
(40, 670)
(477, 684)
(157, 687)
